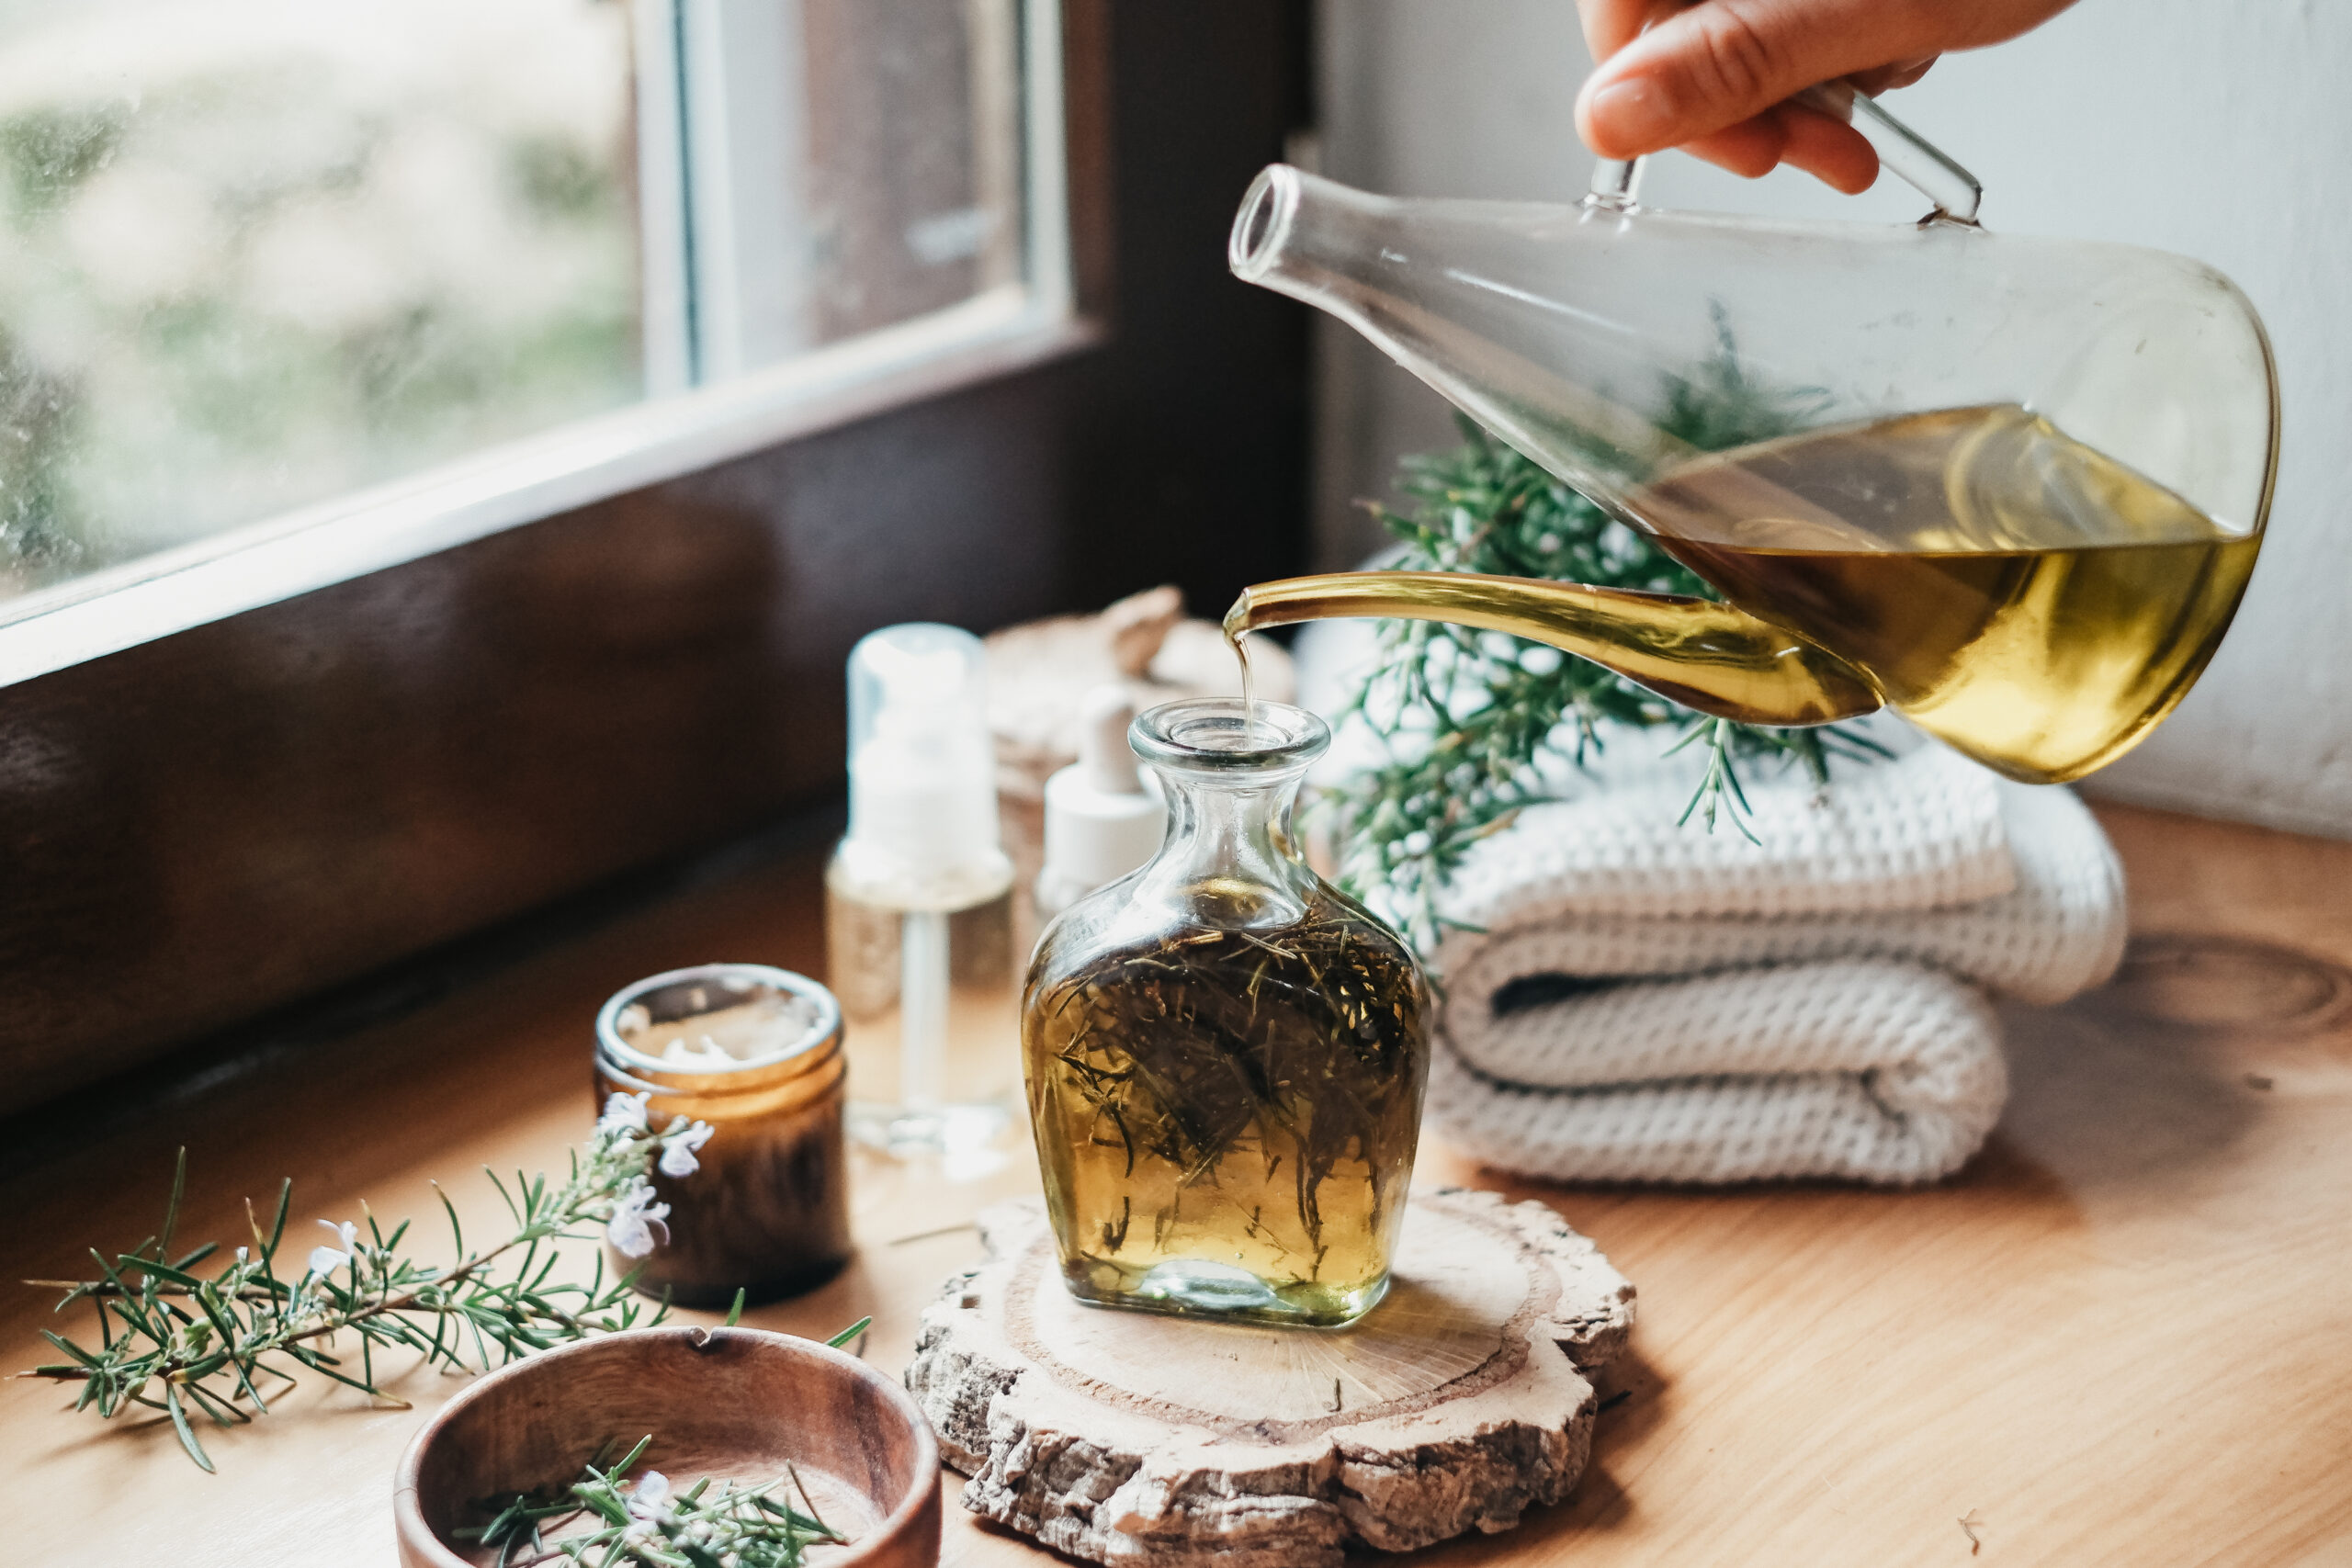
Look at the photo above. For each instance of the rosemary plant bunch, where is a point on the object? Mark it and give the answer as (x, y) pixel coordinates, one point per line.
(709, 1525)
(1476, 726)
(176, 1338)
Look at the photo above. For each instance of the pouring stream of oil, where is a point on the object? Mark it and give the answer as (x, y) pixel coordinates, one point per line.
(2034, 603)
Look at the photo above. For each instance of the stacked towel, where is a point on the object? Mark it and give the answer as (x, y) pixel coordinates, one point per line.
(1650, 1002)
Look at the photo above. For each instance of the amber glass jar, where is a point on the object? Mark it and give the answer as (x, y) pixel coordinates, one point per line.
(1224, 1055)
(756, 1053)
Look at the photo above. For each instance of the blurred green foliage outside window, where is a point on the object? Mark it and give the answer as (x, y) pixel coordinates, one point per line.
(255, 253)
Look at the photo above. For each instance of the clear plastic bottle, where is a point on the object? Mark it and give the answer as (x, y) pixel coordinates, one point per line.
(919, 901)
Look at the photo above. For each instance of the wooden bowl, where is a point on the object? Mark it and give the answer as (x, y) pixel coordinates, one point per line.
(737, 1404)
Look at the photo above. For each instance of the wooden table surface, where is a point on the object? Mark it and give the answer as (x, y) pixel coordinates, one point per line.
(2123, 1335)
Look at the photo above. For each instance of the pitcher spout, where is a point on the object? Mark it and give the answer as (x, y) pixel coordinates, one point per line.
(1711, 657)
(1260, 245)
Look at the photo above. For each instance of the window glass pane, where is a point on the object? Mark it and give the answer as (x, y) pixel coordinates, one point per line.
(849, 164)
(256, 254)
(259, 251)
(915, 179)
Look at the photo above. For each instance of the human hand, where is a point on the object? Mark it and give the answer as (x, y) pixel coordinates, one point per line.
(1714, 76)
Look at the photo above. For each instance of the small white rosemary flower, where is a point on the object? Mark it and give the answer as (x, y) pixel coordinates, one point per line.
(623, 1113)
(678, 1146)
(636, 1225)
(648, 1505)
(325, 1260)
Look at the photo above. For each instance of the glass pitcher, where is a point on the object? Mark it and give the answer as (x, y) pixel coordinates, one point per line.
(1224, 1053)
(2012, 487)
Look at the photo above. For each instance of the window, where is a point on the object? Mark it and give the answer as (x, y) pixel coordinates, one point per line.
(293, 290)
(226, 821)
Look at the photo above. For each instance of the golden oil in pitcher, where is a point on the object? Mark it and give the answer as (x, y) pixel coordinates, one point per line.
(2032, 602)
(2010, 591)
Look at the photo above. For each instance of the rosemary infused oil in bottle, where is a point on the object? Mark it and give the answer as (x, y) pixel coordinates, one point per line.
(1226, 1054)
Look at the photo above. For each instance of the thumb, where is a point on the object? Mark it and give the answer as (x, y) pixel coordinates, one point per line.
(1722, 60)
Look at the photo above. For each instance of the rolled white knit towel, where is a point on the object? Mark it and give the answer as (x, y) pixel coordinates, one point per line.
(1922, 832)
(1815, 1016)
(1867, 1070)
(2053, 927)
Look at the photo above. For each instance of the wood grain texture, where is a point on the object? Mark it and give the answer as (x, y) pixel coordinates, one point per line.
(2122, 1336)
(738, 1406)
(1158, 1442)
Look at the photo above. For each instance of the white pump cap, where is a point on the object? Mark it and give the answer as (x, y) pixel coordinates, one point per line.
(922, 768)
(1101, 820)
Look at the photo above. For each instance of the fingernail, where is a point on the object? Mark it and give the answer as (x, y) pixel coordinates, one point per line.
(1633, 113)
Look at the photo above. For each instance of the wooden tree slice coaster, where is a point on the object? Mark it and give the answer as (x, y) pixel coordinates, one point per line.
(1135, 1439)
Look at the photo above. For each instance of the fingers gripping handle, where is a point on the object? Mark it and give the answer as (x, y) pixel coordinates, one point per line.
(1918, 162)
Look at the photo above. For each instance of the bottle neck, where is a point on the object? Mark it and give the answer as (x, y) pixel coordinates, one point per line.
(1229, 857)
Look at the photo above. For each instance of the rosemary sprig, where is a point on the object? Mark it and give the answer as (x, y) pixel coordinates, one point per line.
(173, 1340)
(644, 1523)
(1469, 719)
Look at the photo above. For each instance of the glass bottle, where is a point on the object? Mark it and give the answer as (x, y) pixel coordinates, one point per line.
(1224, 1053)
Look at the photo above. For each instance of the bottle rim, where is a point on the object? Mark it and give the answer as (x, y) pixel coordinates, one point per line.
(1262, 226)
(1213, 735)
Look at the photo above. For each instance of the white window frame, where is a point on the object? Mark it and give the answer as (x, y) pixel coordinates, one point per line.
(678, 429)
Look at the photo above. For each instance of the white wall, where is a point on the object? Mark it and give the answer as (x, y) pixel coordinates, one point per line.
(2221, 128)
